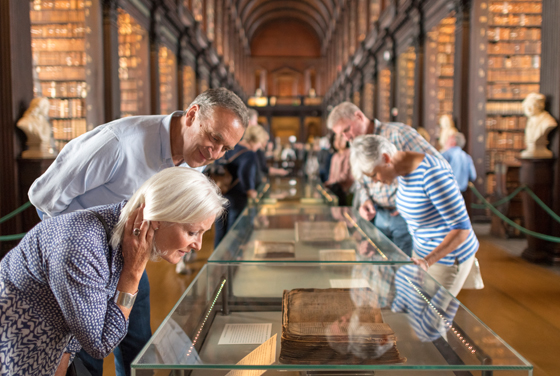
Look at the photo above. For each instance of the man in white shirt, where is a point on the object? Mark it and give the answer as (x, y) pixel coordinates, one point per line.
(108, 164)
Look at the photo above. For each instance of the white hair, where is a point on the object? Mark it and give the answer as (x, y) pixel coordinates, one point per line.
(367, 153)
(343, 111)
(176, 195)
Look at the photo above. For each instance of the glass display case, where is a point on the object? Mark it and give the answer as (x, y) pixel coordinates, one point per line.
(288, 234)
(295, 190)
(310, 319)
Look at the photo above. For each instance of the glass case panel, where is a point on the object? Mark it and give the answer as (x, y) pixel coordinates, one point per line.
(279, 233)
(167, 80)
(315, 318)
(284, 190)
(133, 66)
(60, 63)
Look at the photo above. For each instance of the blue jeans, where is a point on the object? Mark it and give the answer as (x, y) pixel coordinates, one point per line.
(139, 332)
(395, 228)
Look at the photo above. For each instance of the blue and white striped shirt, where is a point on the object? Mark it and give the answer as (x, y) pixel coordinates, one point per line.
(431, 203)
(405, 138)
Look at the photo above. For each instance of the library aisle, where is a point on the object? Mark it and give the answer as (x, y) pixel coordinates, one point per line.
(520, 301)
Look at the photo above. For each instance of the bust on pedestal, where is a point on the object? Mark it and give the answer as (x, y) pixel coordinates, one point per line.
(539, 125)
(39, 155)
(447, 129)
(537, 174)
(35, 124)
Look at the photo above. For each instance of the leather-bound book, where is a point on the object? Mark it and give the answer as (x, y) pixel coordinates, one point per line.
(335, 326)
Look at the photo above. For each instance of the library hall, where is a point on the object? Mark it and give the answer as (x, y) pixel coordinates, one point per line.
(279, 187)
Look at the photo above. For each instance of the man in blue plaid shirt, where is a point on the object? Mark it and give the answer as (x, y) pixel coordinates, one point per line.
(377, 200)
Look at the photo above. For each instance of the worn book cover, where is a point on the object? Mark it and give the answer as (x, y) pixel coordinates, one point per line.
(269, 250)
(325, 326)
(321, 231)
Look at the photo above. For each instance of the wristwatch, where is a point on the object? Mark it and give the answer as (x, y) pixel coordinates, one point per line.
(125, 299)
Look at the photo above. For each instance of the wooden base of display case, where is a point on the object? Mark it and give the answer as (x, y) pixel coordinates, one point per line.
(537, 175)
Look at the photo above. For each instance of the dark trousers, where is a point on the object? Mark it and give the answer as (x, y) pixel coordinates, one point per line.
(139, 332)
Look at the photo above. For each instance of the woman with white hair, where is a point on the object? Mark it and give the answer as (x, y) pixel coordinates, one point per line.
(73, 279)
(428, 198)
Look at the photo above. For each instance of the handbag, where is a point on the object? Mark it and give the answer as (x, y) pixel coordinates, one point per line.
(218, 172)
(474, 279)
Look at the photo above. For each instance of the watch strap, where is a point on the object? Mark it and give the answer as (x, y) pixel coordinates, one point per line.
(125, 299)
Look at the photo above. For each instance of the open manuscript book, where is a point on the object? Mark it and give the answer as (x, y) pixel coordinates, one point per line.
(324, 326)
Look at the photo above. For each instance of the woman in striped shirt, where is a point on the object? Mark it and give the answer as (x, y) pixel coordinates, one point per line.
(428, 198)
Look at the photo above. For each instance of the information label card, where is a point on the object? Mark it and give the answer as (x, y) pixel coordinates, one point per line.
(245, 334)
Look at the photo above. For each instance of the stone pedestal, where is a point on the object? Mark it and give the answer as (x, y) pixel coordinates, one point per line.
(537, 174)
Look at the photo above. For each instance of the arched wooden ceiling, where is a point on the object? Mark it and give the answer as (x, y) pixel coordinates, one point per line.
(256, 13)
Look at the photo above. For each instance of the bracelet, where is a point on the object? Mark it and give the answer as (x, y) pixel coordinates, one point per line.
(426, 261)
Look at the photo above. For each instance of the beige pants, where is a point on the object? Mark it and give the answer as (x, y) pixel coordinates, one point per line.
(452, 277)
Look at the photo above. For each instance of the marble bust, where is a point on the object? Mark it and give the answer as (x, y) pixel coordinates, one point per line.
(35, 124)
(447, 129)
(539, 125)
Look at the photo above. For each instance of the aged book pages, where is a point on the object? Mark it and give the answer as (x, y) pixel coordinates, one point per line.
(324, 326)
(337, 255)
(321, 231)
(268, 250)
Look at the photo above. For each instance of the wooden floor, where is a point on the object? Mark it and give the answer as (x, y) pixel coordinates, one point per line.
(520, 301)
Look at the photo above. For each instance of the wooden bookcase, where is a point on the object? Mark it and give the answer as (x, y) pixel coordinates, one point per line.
(405, 85)
(133, 66)
(440, 51)
(59, 43)
(513, 71)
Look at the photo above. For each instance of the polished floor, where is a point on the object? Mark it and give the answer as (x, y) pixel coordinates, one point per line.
(520, 301)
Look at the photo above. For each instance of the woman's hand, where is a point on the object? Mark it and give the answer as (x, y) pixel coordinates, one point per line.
(422, 263)
(136, 248)
(137, 245)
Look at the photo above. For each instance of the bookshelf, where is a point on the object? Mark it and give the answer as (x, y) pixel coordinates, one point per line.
(189, 86)
(439, 80)
(514, 49)
(59, 58)
(133, 70)
(405, 83)
(384, 96)
(167, 62)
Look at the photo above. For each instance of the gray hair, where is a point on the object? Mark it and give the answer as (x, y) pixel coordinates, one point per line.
(460, 140)
(222, 98)
(176, 195)
(343, 111)
(367, 153)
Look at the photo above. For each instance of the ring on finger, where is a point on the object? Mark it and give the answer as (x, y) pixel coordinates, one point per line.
(136, 231)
